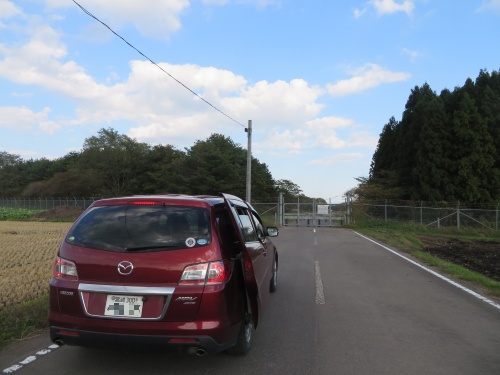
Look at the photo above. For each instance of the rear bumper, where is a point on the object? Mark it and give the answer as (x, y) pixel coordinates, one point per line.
(194, 344)
(211, 336)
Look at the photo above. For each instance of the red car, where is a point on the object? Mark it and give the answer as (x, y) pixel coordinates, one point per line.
(188, 272)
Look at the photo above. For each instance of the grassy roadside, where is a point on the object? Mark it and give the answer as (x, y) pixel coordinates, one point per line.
(20, 321)
(16, 213)
(406, 238)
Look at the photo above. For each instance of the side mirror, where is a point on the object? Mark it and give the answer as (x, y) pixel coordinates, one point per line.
(272, 231)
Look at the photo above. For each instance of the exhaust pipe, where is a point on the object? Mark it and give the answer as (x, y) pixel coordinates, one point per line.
(200, 352)
(59, 342)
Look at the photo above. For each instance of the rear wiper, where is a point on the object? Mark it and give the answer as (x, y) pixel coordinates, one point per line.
(138, 248)
(100, 245)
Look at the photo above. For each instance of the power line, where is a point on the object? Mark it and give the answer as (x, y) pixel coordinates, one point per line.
(159, 67)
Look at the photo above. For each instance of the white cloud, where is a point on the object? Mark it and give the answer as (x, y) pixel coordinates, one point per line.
(258, 3)
(329, 123)
(489, 5)
(38, 62)
(8, 9)
(291, 101)
(337, 159)
(284, 143)
(365, 78)
(383, 7)
(363, 139)
(358, 13)
(412, 54)
(392, 6)
(325, 133)
(24, 119)
(49, 127)
(154, 18)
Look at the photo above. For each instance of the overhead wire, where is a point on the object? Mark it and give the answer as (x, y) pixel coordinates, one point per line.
(158, 66)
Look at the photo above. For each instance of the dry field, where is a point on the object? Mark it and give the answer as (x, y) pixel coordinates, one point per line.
(27, 252)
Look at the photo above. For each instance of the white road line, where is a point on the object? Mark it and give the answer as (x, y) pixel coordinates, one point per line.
(28, 360)
(320, 296)
(477, 295)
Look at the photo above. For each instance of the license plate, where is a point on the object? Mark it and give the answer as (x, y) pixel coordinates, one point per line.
(127, 306)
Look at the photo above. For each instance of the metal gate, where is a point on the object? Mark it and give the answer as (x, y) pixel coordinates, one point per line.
(313, 214)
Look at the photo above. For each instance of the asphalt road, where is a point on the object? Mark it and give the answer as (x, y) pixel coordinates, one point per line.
(344, 305)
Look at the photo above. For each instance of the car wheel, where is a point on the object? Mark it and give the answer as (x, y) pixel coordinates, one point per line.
(245, 338)
(274, 279)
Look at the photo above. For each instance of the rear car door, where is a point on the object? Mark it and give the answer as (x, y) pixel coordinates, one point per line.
(253, 256)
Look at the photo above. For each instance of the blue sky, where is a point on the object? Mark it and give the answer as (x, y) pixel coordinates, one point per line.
(319, 79)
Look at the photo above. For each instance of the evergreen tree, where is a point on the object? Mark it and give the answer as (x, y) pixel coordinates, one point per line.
(408, 140)
(473, 152)
(446, 147)
(489, 108)
(384, 157)
(430, 174)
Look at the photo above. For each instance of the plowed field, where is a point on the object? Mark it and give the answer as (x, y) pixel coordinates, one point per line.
(479, 256)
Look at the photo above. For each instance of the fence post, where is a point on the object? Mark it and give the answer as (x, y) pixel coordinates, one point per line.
(497, 218)
(385, 210)
(298, 210)
(280, 209)
(347, 219)
(421, 208)
(314, 208)
(330, 211)
(458, 215)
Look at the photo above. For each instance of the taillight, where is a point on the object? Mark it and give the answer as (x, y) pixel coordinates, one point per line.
(195, 274)
(64, 269)
(218, 272)
(206, 273)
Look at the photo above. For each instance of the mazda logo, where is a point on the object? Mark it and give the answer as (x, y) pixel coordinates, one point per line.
(125, 268)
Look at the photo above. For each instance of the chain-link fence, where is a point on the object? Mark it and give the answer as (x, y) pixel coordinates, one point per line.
(423, 213)
(268, 212)
(457, 215)
(45, 203)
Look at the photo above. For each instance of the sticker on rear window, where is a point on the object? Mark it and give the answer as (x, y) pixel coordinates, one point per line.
(202, 241)
(190, 242)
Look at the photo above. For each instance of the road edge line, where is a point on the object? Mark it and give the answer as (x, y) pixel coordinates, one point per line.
(467, 290)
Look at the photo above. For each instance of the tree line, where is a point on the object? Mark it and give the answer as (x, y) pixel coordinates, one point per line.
(445, 148)
(112, 164)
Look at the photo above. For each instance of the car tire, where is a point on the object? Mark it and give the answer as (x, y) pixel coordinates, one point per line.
(245, 338)
(274, 279)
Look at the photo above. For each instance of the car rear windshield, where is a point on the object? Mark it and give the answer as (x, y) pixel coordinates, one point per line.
(142, 228)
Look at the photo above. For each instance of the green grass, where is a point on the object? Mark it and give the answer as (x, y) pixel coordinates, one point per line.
(19, 321)
(16, 213)
(458, 271)
(405, 237)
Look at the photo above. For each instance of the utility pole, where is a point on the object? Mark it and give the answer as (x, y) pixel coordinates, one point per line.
(249, 162)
